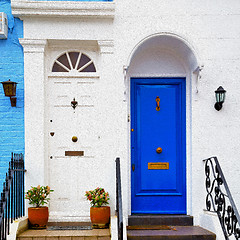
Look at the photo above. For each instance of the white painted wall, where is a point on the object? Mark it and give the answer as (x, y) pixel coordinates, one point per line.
(212, 29)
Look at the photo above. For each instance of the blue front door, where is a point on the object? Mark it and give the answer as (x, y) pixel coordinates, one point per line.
(158, 143)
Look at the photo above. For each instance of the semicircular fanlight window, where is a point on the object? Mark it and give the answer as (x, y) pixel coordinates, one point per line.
(73, 61)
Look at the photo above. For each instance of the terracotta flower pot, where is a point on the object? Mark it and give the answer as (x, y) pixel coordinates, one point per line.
(100, 216)
(38, 217)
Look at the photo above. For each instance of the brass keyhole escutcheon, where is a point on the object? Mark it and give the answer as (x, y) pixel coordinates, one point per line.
(159, 150)
(158, 103)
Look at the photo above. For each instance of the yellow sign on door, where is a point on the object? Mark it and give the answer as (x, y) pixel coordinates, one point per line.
(158, 165)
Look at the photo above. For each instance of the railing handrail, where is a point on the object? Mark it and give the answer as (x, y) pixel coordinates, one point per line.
(12, 196)
(227, 189)
(119, 200)
(218, 203)
(3, 203)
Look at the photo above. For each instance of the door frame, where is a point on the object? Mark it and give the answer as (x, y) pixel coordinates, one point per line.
(183, 143)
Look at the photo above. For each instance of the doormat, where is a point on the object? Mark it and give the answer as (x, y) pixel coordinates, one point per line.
(151, 227)
(57, 228)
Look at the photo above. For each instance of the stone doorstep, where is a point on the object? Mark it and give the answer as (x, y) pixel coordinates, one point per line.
(65, 238)
(95, 234)
(175, 220)
(180, 232)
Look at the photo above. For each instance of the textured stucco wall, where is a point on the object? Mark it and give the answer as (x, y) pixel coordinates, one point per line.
(11, 67)
(213, 30)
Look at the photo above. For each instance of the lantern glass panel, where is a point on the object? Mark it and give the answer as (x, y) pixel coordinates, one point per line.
(9, 88)
(221, 97)
(220, 94)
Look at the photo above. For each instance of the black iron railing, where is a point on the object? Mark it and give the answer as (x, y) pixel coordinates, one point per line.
(12, 196)
(219, 199)
(119, 200)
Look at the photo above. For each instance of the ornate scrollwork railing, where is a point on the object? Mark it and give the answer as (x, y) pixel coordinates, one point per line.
(219, 199)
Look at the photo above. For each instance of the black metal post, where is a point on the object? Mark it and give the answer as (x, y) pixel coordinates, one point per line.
(119, 200)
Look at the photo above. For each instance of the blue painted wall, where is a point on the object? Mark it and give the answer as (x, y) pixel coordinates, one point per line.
(11, 67)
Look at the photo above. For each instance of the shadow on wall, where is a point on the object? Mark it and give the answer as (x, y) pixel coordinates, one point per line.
(210, 221)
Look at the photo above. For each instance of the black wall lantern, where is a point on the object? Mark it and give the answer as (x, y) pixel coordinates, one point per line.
(9, 88)
(220, 97)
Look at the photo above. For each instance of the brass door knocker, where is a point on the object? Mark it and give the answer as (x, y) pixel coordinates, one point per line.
(158, 103)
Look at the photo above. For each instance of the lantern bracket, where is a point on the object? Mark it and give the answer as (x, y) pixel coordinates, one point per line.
(13, 101)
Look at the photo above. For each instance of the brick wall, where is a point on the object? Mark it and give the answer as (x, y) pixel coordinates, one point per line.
(11, 67)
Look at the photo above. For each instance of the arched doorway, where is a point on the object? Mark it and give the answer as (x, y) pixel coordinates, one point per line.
(160, 74)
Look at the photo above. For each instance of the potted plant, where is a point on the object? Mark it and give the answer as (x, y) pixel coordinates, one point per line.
(99, 214)
(38, 215)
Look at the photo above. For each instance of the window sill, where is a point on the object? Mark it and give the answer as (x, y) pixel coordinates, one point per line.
(28, 8)
(89, 75)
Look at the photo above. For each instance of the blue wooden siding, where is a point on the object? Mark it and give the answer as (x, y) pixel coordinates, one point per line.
(11, 67)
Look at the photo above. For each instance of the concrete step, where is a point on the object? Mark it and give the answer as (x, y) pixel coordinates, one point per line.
(175, 233)
(172, 220)
(94, 234)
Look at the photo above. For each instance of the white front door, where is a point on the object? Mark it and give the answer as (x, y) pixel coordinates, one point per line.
(68, 175)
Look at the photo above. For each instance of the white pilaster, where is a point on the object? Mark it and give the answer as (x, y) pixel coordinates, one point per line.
(34, 76)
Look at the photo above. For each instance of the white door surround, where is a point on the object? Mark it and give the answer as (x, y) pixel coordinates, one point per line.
(39, 57)
(167, 55)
